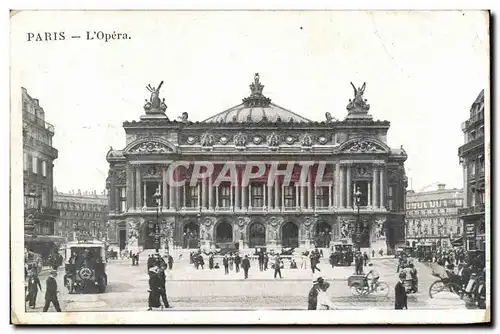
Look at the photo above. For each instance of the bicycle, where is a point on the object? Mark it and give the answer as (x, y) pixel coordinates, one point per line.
(359, 286)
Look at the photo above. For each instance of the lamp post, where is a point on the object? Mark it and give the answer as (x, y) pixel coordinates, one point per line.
(157, 198)
(357, 200)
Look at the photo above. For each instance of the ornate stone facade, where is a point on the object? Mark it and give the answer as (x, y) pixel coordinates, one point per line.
(348, 156)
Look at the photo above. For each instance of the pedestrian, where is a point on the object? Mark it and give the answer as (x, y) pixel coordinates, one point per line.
(261, 261)
(401, 299)
(225, 262)
(162, 279)
(51, 292)
(314, 261)
(154, 288)
(33, 286)
(312, 300)
(150, 262)
(211, 261)
(231, 261)
(373, 253)
(332, 259)
(200, 261)
(277, 266)
(170, 260)
(237, 261)
(303, 263)
(245, 264)
(365, 259)
(358, 262)
(266, 261)
(324, 301)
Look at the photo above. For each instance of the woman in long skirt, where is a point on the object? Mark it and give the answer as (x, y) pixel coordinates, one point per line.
(154, 288)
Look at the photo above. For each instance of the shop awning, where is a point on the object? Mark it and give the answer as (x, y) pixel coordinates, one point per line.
(457, 242)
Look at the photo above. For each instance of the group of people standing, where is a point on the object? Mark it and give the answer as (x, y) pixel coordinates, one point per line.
(158, 280)
(51, 291)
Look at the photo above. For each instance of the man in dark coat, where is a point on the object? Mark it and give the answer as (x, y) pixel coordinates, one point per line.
(151, 262)
(201, 261)
(312, 300)
(33, 286)
(245, 264)
(162, 280)
(400, 293)
(314, 261)
(211, 261)
(266, 261)
(51, 292)
(225, 262)
(170, 260)
(365, 259)
(277, 266)
(237, 261)
(154, 288)
(358, 261)
(261, 260)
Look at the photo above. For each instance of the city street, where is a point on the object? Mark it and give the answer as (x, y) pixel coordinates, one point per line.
(191, 289)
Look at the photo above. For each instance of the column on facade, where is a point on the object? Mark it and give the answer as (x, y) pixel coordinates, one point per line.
(130, 194)
(330, 195)
(184, 195)
(369, 193)
(264, 195)
(269, 197)
(297, 193)
(231, 196)
(116, 203)
(341, 186)
(137, 188)
(283, 196)
(210, 193)
(375, 186)
(144, 199)
(171, 195)
(302, 195)
(165, 187)
(249, 195)
(336, 187)
(276, 193)
(217, 197)
(348, 184)
(237, 191)
(382, 187)
(203, 193)
(198, 187)
(309, 190)
(244, 190)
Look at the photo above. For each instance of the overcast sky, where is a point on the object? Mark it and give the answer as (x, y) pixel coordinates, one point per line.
(423, 71)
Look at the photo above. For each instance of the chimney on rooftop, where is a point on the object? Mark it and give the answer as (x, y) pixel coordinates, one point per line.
(441, 186)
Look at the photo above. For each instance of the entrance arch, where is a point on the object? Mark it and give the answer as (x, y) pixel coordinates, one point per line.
(256, 235)
(290, 235)
(322, 235)
(224, 233)
(191, 235)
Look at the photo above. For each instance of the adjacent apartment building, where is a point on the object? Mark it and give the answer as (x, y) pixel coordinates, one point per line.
(472, 159)
(38, 169)
(432, 216)
(83, 213)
